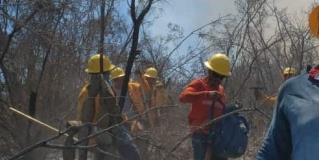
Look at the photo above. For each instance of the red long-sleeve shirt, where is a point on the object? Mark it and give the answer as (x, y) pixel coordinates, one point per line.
(197, 93)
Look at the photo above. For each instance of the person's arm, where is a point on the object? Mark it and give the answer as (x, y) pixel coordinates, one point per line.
(277, 143)
(192, 92)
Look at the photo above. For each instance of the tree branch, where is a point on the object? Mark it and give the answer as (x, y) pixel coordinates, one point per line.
(121, 123)
(133, 12)
(17, 27)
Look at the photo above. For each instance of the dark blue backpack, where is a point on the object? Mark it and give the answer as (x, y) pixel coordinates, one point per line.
(229, 136)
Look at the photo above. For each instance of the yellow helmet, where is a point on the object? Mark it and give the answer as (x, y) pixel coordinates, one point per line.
(289, 71)
(151, 72)
(94, 64)
(219, 63)
(117, 73)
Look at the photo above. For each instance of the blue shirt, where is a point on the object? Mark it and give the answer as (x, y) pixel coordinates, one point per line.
(294, 131)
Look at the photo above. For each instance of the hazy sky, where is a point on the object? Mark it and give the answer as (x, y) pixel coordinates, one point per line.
(193, 13)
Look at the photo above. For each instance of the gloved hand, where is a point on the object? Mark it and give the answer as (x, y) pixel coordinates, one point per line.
(214, 95)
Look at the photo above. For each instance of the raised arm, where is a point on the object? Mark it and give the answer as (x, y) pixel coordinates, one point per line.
(192, 92)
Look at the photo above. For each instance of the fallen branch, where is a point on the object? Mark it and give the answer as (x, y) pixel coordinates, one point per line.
(44, 143)
(38, 144)
(121, 123)
(58, 146)
(108, 153)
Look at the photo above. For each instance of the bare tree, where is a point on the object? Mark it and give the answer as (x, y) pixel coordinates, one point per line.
(137, 21)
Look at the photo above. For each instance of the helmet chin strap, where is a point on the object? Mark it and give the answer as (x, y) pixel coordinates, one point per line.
(101, 63)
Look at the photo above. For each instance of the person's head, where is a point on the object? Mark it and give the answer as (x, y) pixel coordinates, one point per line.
(150, 76)
(95, 66)
(117, 76)
(218, 66)
(289, 72)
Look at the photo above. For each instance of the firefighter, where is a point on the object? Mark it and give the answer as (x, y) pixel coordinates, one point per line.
(97, 104)
(289, 72)
(270, 100)
(207, 97)
(117, 77)
(145, 93)
(153, 94)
